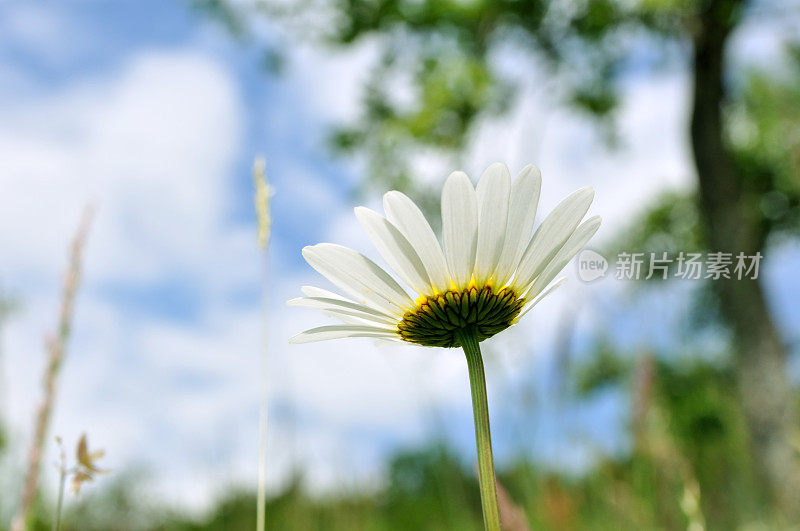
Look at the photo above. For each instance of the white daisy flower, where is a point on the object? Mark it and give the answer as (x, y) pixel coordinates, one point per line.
(492, 270)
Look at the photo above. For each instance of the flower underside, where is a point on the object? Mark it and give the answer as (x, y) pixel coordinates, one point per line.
(436, 318)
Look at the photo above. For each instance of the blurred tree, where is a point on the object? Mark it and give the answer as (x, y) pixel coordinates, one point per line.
(689, 439)
(441, 52)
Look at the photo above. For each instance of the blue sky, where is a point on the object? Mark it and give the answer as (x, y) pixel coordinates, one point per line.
(92, 80)
(155, 114)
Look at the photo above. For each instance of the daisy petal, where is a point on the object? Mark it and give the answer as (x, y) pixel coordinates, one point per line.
(324, 333)
(528, 307)
(551, 236)
(521, 217)
(493, 189)
(567, 252)
(358, 276)
(313, 291)
(459, 226)
(348, 318)
(347, 308)
(395, 249)
(356, 318)
(407, 217)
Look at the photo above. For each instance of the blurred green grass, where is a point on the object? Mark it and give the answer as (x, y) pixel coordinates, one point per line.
(688, 468)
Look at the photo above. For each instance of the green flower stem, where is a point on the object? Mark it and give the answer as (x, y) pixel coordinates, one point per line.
(483, 439)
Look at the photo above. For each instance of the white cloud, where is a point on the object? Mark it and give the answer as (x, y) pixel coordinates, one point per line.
(152, 145)
(148, 147)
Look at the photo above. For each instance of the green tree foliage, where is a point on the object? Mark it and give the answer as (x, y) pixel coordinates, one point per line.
(688, 426)
(764, 135)
(444, 53)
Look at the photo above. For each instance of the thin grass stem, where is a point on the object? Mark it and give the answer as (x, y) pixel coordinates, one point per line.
(55, 356)
(262, 199)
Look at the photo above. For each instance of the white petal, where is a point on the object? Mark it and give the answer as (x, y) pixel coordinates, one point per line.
(337, 306)
(313, 291)
(395, 249)
(408, 218)
(551, 236)
(349, 319)
(355, 318)
(528, 307)
(521, 217)
(459, 226)
(492, 191)
(359, 277)
(582, 235)
(324, 333)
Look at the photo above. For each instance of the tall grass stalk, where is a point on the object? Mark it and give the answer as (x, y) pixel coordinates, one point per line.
(62, 482)
(652, 437)
(262, 199)
(56, 346)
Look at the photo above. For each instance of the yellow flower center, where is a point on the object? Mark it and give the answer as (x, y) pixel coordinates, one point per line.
(436, 318)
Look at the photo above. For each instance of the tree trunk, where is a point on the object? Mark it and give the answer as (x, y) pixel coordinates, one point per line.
(732, 227)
